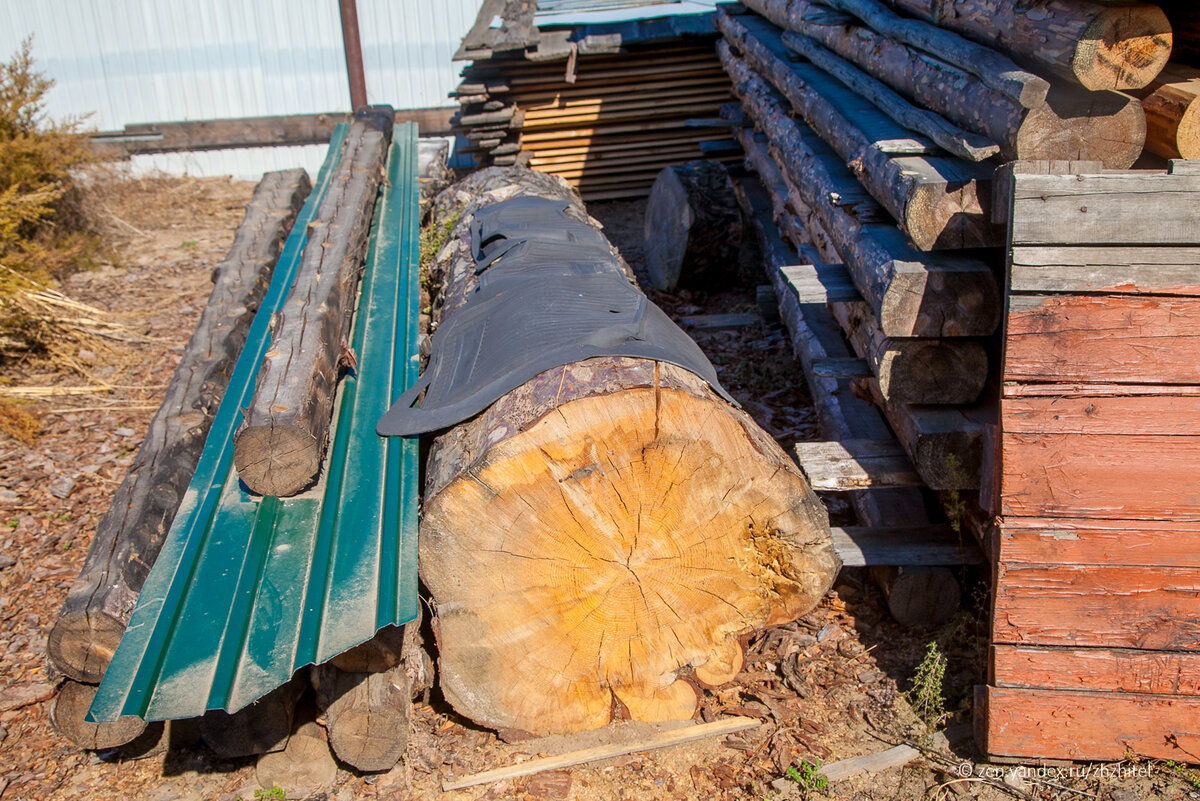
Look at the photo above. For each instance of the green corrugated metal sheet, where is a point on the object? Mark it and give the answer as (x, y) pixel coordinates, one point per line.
(248, 589)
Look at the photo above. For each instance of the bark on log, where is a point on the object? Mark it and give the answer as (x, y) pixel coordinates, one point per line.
(941, 203)
(1072, 125)
(994, 69)
(1100, 45)
(1173, 113)
(951, 138)
(68, 717)
(693, 227)
(367, 712)
(279, 446)
(130, 535)
(260, 728)
(602, 529)
(911, 294)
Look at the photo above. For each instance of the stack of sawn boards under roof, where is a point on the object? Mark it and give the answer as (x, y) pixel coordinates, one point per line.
(876, 127)
(604, 111)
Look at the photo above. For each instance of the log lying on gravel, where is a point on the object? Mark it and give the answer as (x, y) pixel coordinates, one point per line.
(939, 202)
(279, 446)
(693, 227)
(260, 728)
(910, 293)
(1173, 112)
(305, 766)
(1072, 125)
(130, 535)
(603, 529)
(1113, 44)
(68, 716)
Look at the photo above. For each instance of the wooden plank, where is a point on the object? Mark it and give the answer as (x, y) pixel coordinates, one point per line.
(713, 322)
(855, 464)
(666, 739)
(1114, 270)
(1076, 390)
(1136, 415)
(1136, 477)
(1103, 338)
(1113, 606)
(1132, 208)
(928, 545)
(1118, 670)
(1088, 726)
(1067, 541)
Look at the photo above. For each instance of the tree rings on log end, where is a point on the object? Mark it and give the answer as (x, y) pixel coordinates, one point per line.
(609, 544)
(81, 644)
(276, 460)
(1123, 48)
(68, 717)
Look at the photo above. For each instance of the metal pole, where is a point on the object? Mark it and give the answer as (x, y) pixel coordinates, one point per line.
(354, 60)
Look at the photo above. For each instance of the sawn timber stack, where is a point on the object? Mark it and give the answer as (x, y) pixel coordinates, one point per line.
(606, 531)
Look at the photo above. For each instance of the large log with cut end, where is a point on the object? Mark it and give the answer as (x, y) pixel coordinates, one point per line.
(1172, 104)
(602, 535)
(278, 448)
(693, 227)
(130, 535)
(1100, 45)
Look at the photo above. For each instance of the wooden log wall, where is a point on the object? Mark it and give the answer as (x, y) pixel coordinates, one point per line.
(1096, 647)
(607, 123)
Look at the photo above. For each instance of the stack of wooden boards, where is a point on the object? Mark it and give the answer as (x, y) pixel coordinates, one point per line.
(605, 112)
(1096, 650)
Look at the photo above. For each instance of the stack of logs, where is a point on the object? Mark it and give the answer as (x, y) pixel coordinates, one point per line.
(364, 694)
(880, 124)
(606, 119)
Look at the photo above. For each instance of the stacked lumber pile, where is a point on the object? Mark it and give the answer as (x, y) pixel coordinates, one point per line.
(1096, 650)
(605, 112)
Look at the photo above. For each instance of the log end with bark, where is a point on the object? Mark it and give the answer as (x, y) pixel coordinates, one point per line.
(1108, 127)
(606, 546)
(1124, 47)
(693, 227)
(1173, 113)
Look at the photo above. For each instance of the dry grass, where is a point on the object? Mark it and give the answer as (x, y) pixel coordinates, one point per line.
(18, 423)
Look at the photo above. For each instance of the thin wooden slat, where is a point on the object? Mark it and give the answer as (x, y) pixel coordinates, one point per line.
(1103, 339)
(1086, 726)
(1142, 208)
(915, 546)
(1113, 606)
(1116, 270)
(1075, 541)
(631, 94)
(1143, 414)
(855, 464)
(1077, 390)
(703, 105)
(1135, 477)
(1118, 670)
(600, 160)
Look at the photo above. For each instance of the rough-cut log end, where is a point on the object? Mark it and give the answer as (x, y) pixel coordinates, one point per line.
(278, 460)
(614, 543)
(693, 226)
(68, 717)
(921, 302)
(932, 371)
(1123, 48)
(81, 644)
(937, 217)
(1084, 126)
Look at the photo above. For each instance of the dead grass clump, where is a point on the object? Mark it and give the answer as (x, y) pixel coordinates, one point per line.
(45, 232)
(18, 423)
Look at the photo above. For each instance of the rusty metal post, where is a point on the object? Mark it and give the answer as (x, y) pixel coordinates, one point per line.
(353, 48)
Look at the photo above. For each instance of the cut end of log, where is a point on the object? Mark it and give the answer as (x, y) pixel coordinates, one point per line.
(1123, 48)
(1084, 126)
(68, 717)
(276, 460)
(610, 545)
(81, 644)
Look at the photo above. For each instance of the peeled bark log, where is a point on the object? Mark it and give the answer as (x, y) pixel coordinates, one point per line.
(693, 227)
(278, 448)
(1072, 125)
(130, 535)
(941, 203)
(1099, 45)
(1173, 113)
(602, 529)
(910, 293)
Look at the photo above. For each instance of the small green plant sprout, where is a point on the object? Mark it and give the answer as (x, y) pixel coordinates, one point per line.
(808, 776)
(927, 696)
(188, 244)
(274, 794)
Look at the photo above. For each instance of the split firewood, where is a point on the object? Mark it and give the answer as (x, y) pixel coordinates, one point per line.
(278, 448)
(131, 534)
(604, 529)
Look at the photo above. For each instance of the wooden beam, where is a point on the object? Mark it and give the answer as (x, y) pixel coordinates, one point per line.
(855, 464)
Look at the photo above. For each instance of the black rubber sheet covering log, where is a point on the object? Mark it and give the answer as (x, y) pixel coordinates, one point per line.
(550, 293)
